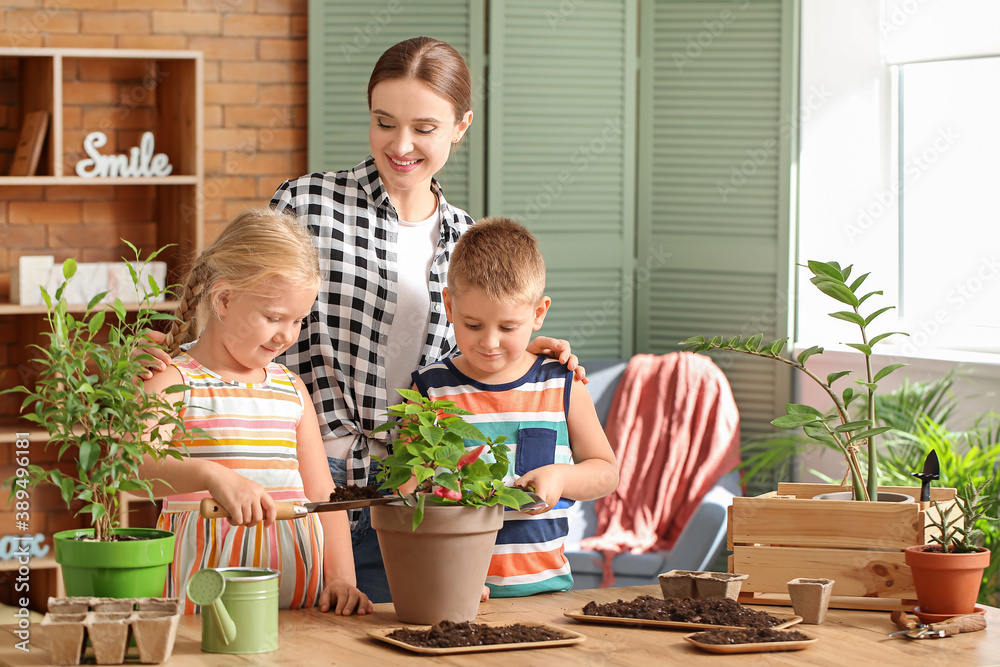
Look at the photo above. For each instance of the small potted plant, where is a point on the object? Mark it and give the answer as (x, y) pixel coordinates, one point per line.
(437, 540)
(88, 398)
(949, 572)
(841, 428)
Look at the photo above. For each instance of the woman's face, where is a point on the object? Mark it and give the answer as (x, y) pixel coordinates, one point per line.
(411, 134)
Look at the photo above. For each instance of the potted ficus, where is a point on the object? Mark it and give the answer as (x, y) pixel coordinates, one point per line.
(949, 572)
(437, 540)
(88, 398)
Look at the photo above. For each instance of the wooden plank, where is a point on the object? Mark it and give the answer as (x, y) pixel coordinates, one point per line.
(836, 602)
(855, 573)
(806, 491)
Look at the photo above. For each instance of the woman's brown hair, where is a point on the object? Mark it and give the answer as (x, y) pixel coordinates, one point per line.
(435, 63)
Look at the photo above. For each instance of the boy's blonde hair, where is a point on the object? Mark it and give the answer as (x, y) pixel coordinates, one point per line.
(257, 247)
(500, 257)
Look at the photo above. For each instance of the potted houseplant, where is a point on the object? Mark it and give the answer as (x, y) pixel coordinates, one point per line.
(860, 546)
(437, 540)
(848, 432)
(948, 572)
(88, 398)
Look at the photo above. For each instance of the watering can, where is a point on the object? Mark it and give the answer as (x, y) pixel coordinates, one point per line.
(239, 608)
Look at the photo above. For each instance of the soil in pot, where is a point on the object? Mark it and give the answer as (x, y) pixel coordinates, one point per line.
(448, 634)
(748, 636)
(711, 611)
(354, 493)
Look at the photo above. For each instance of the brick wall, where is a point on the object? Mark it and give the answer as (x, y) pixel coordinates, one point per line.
(255, 137)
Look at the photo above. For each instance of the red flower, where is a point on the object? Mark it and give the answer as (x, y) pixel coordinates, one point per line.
(445, 492)
(470, 457)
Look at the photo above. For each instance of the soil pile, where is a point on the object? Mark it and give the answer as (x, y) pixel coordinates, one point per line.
(748, 636)
(711, 611)
(354, 493)
(448, 634)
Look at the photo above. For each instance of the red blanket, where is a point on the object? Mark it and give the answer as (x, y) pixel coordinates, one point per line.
(674, 428)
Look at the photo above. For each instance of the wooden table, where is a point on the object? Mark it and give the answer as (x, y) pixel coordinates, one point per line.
(308, 637)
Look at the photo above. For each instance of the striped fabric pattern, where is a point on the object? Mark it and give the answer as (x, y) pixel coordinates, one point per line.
(248, 428)
(531, 413)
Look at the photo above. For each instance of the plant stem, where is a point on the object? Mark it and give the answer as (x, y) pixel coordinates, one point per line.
(872, 452)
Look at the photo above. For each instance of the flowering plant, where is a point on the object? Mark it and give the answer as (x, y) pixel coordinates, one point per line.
(435, 448)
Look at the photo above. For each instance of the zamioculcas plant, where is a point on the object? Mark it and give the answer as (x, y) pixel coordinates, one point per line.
(430, 450)
(848, 432)
(88, 397)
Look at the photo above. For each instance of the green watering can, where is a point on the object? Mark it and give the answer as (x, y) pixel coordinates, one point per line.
(239, 608)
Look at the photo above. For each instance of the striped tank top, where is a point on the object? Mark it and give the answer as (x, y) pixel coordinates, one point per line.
(249, 428)
(531, 412)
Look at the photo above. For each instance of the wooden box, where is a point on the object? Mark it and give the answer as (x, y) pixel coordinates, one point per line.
(786, 534)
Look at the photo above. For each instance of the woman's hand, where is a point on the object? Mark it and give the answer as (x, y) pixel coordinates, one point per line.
(557, 348)
(246, 501)
(344, 599)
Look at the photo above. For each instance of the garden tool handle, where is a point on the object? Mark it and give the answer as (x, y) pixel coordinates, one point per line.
(212, 509)
(962, 623)
(903, 620)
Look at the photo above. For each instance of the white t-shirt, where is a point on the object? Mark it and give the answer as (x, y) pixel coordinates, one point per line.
(416, 246)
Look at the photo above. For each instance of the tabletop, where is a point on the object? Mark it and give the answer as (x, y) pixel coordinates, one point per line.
(309, 637)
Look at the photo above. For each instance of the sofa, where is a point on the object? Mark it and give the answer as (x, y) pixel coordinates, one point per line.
(702, 542)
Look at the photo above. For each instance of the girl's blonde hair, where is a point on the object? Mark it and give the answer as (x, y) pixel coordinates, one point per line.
(257, 247)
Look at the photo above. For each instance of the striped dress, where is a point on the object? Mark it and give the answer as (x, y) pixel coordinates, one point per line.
(252, 431)
(531, 412)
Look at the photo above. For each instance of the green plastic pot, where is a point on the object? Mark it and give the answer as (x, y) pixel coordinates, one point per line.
(129, 569)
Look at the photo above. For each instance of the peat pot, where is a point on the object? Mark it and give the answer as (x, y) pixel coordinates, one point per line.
(119, 569)
(436, 572)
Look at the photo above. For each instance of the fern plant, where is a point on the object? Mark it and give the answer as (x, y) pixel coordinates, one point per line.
(89, 399)
(843, 428)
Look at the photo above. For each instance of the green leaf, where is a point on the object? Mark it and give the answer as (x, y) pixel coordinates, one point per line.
(853, 426)
(868, 320)
(861, 347)
(885, 371)
(432, 434)
(799, 409)
(857, 283)
(753, 342)
(833, 377)
(870, 433)
(69, 268)
(880, 337)
(848, 316)
(794, 420)
(830, 270)
(410, 395)
(777, 346)
(837, 291)
(805, 354)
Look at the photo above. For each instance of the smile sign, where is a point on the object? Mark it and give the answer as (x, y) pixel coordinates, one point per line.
(141, 162)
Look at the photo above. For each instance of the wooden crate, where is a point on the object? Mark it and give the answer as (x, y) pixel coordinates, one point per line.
(785, 534)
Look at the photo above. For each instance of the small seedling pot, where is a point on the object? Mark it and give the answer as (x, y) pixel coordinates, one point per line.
(678, 583)
(108, 633)
(64, 636)
(810, 598)
(719, 585)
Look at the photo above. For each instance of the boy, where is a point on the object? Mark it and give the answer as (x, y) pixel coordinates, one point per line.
(495, 300)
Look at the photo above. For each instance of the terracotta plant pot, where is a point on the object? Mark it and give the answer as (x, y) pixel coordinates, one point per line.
(947, 583)
(436, 572)
(810, 598)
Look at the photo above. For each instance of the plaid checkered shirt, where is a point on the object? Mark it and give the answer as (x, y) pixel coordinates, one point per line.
(341, 353)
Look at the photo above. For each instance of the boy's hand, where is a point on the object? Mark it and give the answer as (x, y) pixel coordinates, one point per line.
(547, 482)
(344, 599)
(246, 501)
(556, 348)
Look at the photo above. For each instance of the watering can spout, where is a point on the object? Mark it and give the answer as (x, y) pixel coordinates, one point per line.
(224, 622)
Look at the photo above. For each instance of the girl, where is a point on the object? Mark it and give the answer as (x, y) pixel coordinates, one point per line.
(247, 295)
(385, 234)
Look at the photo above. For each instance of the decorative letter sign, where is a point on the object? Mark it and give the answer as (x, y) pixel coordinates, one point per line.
(139, 163)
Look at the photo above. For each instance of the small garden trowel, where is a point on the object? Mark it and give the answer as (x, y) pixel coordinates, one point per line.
(931, 471)
(911, 627)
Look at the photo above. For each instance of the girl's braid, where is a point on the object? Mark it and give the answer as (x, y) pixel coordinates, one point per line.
(184, 329)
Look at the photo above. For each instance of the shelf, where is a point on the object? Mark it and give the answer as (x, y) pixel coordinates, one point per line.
(79, 180)
(15, 309)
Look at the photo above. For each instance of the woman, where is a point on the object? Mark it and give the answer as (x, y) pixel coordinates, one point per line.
(385, 235)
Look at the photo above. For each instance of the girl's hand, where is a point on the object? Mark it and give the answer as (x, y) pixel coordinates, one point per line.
(246, 501)
(160, 359)
(344, 599)
(557, 348)
(547, 482)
